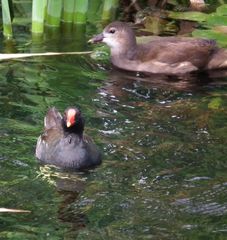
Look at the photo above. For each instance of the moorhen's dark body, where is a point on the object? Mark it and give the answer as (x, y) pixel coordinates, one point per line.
(63, 143)
(165, 55)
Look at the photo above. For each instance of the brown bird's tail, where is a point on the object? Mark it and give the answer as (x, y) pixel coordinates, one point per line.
(218, 60)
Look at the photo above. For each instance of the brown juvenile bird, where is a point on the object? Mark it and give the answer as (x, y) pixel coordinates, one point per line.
(63, 143)
(165, 55)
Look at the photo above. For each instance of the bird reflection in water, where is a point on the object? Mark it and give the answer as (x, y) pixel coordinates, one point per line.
(120, 81)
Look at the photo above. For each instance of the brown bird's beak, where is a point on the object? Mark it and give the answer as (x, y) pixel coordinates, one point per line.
(96, 39)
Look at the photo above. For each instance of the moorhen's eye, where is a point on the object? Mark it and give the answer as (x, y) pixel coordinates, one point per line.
(112, 31)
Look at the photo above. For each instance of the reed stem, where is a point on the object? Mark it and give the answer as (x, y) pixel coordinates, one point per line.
(54, 9)
(7, 24)
(107, 9)
(68, 10)
(38, 15)
(94, 11)
(80, 11)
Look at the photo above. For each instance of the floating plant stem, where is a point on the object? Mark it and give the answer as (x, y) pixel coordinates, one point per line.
(80, 11)
(54, 9)
(10, 210)
(38, 15)
(4, 56)
(7, 24)
(68, 10)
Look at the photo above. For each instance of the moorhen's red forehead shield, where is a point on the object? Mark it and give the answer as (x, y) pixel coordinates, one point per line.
(70, 117)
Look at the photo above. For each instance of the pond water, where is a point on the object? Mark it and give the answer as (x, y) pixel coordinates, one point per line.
(163, 142)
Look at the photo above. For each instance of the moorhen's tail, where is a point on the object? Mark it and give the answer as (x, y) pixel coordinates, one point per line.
(52, 119)
(218, 60)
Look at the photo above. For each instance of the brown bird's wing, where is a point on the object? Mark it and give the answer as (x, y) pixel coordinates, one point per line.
(173, 50)
(218, 60)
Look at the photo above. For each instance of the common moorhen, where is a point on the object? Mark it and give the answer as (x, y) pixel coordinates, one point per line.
(63, 143)
(165, 55)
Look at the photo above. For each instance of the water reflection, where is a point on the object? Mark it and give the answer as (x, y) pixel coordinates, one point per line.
(68, 186)
(119, 82)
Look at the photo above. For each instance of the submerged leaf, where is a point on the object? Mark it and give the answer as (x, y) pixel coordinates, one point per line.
(221, 29)
(214, 19)
(215, 103)
(222, 10)
(221, 38)
(191, 16)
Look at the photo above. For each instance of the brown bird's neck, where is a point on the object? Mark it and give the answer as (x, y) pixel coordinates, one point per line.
(127, 49)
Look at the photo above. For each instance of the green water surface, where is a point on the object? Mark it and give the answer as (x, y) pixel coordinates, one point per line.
(164, 171)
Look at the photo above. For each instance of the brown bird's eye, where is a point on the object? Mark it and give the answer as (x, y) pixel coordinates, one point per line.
(112, 31)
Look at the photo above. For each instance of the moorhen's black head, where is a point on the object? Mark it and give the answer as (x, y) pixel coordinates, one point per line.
(118, 36)
(73, 121)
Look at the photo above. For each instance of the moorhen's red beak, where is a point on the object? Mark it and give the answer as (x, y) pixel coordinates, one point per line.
(96, 39)
(71, 118)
